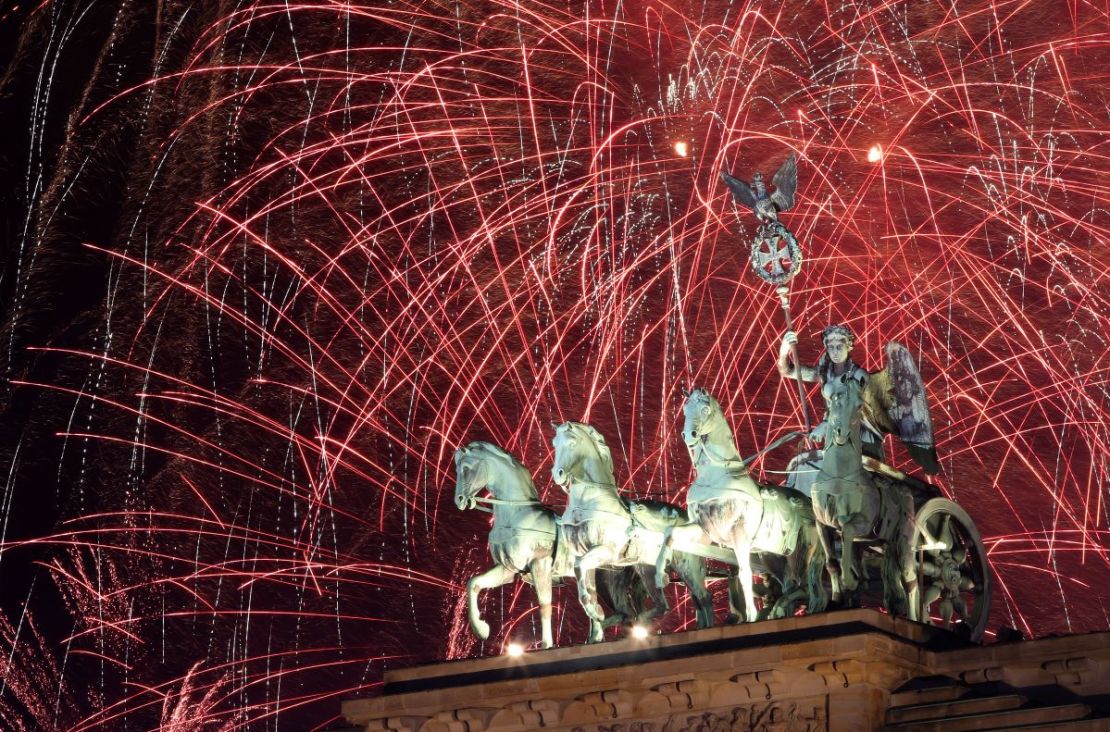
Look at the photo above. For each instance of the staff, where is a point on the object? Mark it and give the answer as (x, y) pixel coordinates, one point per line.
(775, 254)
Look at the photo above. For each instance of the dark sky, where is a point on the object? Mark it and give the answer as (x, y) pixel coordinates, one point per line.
(266, 267)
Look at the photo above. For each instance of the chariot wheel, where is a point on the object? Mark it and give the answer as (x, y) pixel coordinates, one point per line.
(953, 577)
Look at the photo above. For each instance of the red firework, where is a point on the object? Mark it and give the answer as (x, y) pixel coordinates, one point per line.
(383, 232)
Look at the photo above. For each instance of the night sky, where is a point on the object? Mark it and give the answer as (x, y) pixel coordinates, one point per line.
(267, 265)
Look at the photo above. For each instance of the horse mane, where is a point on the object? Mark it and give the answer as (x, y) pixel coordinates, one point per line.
(715, 406)
(703, 393)
(488, 449)
(657, 510)
(599, 443)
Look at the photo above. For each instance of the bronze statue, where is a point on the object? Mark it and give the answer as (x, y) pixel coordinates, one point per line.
(524, 540)
(894, 400)
(601, 529)
(728, 508)
(766, 207)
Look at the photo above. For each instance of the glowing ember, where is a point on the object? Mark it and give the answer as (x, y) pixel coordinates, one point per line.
(336, 240)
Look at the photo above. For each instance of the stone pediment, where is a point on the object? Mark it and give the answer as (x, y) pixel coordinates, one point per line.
(849, 670)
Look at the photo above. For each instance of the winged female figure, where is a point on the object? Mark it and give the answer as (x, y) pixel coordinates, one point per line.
(894, 400)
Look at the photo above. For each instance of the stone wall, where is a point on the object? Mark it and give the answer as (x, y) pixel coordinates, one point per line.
(849, 670)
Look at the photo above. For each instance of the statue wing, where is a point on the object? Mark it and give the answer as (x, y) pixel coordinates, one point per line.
(741, 191)
(786, 183)
(895, 402)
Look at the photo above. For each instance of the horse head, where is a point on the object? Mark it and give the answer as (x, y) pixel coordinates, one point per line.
(484, 465)
(701, 411)
(845, 404)
(471, 474)
(580, 452)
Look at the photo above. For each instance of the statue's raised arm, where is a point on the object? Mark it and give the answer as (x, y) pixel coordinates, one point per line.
(789, 370)
(895, 403)
(835, 364)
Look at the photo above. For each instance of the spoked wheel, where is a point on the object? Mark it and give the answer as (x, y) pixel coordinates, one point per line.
(953, 577)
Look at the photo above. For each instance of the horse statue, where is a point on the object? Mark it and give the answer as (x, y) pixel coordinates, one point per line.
(727, 507)
(846, 500)
(604, 530)
(525, 539)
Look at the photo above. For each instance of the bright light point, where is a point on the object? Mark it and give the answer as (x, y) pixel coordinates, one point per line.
(682, 148)
(639, 632)
(515, 650)
(875, 154)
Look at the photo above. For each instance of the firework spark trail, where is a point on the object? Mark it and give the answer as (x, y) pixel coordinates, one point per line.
(461, 223)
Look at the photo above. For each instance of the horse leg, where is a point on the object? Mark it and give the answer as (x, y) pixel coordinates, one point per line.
(894, 594)
(735, 597)
(659, 604)
(587, 598)
(907, 560)
(784, 570)
(827, 539)
(666, 551)
(850, 573)
(495, 577)
(585, 567)
(742, 545)
(541, 578)
(795, 589)
(692, 570)
(623, 590)
(684, 536)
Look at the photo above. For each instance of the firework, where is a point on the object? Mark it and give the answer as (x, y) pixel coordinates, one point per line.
(278, 261)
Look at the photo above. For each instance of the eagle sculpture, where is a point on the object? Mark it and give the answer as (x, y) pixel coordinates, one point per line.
(766, 207)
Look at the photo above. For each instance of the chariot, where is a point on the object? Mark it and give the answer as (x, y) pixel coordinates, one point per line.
(949, 557)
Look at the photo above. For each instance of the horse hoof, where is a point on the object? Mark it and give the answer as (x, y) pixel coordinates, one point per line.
(481, 629)
(733, 619)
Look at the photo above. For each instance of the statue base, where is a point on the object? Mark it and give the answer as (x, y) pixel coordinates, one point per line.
(846, 670)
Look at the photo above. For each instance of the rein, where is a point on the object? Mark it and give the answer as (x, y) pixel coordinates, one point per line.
(509, 502)
(504, 501)
(777, 443)
(583, 483)
(713, 458)
(476, 499)
(595, 484)
(499, 502)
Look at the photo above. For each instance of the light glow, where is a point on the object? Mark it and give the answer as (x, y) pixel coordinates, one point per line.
(361, 236)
